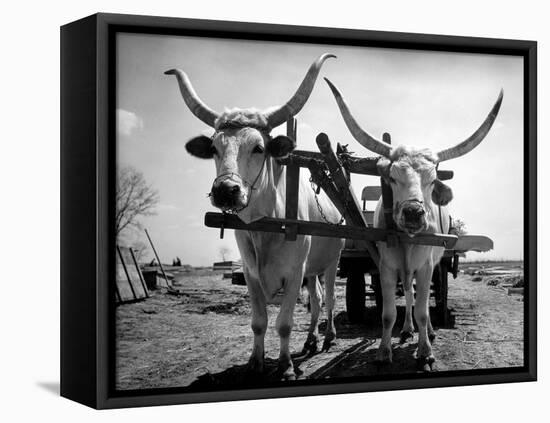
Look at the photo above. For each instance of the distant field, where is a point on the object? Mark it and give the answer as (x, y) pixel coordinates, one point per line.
(507, 263)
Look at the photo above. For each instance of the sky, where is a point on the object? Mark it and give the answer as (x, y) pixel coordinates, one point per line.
(426, 99)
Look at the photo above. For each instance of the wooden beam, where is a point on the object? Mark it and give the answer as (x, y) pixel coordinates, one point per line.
(352, 210)
(291, 201)
(321, 179)
(304, 227)
(352, 213)
(292, 185)
(158, 259)
(359, 165)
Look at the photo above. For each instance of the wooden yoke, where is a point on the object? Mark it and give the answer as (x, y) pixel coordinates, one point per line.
(292, 185)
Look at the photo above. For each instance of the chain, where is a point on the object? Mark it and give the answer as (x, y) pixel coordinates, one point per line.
(316, 190)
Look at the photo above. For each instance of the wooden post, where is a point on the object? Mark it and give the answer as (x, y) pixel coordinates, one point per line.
(387, 201)
(352, 209)
(292, 186)
(158, 259)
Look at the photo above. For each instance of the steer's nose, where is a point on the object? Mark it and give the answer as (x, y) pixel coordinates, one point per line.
(225, 194)
(412, 213)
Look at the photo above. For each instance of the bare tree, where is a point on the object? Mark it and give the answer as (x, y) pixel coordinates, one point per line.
(134, 198)
(140, 249)
(224, 251)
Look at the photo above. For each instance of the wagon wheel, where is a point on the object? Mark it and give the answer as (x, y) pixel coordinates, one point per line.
(441, 289)
(355, 296)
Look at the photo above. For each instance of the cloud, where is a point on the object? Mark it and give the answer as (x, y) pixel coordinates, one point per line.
(167, 207)
(128, 122)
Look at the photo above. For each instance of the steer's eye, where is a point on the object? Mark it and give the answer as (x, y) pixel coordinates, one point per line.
(258, 149)
(392, 181)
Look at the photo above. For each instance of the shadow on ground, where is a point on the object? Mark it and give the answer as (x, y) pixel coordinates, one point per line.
(357, 360)
(371, 324)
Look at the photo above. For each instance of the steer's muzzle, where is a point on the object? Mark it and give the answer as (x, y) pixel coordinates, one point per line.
(412, 217)
(227, 195)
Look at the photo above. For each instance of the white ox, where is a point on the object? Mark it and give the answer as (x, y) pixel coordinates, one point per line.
(250, 182)
(419, 201)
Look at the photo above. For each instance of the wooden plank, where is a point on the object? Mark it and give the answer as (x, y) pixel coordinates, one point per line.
(304, 227)
(132, 295)
(141, 278)
(158, 259)
(359, 165)
(135, 278)
(477, 243)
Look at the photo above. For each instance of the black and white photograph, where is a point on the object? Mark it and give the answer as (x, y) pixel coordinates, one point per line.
(295, 213)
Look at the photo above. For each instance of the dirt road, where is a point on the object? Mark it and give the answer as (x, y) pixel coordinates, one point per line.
(201, 338)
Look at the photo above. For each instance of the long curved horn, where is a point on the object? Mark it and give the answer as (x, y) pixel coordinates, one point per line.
(367, 141)
(300, 97)
(473, 141)
(195, 104)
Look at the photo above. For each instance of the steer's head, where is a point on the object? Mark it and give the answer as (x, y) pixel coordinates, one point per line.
(412, 176)
(412, 172)
(242, 143)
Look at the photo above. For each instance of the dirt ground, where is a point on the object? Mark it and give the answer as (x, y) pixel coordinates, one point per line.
(201, 337)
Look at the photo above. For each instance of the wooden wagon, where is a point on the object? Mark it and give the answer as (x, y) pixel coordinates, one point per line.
(331, 171)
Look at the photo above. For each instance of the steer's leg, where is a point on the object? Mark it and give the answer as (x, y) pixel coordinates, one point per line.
(431, 332)
(330, 301)
(285, 321)
(259, 323)
(388, 279)
(424, 354)
(315, 301)
(408, 328)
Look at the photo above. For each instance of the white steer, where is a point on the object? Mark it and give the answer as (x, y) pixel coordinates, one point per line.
(418, 206)
(250, 182)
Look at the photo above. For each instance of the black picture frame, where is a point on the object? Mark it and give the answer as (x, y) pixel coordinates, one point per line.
(87, 195)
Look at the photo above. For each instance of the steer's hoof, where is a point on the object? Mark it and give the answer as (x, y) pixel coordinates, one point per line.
(431, 337)
(383, 356)
(425, 364)
(287, 372)
(329, 341)
(310, 346)
(255, 366)
(288, 375)
(286, 369)
(405, 335)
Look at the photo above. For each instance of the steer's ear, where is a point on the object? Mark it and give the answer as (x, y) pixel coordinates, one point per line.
(384, 165)
(441, 194)
(200, 147)
(280, 146)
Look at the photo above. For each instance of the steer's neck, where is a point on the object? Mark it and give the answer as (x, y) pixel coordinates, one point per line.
(263, 198)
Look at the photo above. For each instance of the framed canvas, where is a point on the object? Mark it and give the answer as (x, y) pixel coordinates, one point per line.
(258, 211)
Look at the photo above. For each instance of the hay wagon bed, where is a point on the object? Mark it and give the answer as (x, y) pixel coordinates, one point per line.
(331, 171)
